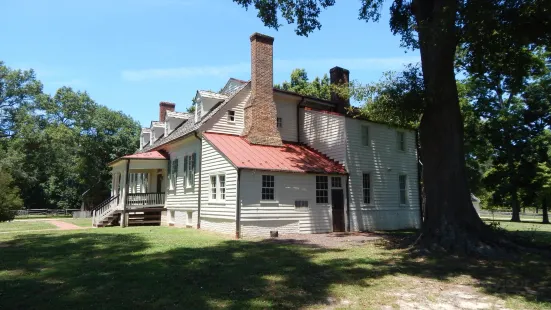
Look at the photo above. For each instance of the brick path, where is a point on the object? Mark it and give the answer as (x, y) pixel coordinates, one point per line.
(65, 226)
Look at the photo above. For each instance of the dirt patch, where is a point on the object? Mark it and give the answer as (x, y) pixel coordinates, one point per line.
(65, 226)
(428, 294)
(331, 240)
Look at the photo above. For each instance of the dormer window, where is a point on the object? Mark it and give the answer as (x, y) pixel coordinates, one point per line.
(231, 116)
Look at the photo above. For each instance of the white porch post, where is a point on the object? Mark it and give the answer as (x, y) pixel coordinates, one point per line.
(125, 193)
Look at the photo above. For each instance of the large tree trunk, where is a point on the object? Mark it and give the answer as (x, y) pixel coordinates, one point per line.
(451, 222)
(544, 211)
(515, 206)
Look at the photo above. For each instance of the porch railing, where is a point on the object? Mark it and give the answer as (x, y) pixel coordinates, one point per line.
(145, 199)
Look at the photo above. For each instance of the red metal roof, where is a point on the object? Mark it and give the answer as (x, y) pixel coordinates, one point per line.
(290, 157)
(146, 155)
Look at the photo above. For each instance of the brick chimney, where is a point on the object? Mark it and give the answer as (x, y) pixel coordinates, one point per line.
(260, 112)
(339, 76)
(163, 107)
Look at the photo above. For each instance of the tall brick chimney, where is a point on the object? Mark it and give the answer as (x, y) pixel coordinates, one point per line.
(260, 112)
(163, 107)
(340, 76)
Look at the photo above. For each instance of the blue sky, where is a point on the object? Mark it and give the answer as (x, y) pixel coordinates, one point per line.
(131, 54)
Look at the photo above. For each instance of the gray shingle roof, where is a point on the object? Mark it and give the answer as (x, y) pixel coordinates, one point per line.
(190, 125)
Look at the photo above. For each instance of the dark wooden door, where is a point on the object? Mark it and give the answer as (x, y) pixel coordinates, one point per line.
(337, 202)
(159, 183)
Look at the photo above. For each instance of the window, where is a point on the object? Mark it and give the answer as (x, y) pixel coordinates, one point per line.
(231, 116)
(365, 136)
(222, 186)
(401, 141)
(367, 187)
(336, 182)
(218, 187)
(189, 170)
(213, 184)
(322, 192)
(279, 122)
(268, 187)
(174, 174)
(301, 204)
(403, 184)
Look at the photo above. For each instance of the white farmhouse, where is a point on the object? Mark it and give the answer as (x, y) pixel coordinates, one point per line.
(253, 159)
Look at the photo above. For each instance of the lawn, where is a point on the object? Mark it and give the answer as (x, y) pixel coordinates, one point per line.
(533, 231)
(17, 226)
(168, 268)
(78, 222)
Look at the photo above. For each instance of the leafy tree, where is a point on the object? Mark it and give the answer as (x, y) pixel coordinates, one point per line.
(543, 182)
(9, 197)
(18, 89)
(319, 88)
(437, 28)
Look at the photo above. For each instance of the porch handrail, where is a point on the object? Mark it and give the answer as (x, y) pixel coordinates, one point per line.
(104, 209)
(145, 199)
(104, 203)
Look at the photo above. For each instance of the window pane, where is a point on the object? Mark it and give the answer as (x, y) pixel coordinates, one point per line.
(402, 181)
(213, 187)
(268, 187)
(222, 182)
(367, 187)
(336, 182)
(322, 186)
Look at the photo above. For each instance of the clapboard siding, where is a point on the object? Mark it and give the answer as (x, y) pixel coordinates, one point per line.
(214, 163)
(180, 198)
(220, 123)
(324, 132)
(259, 217)
(385, 163)
(287, 110)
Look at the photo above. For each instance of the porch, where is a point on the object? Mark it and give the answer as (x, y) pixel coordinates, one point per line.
(137, 191)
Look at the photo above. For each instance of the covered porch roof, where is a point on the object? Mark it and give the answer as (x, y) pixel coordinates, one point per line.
(151, 155)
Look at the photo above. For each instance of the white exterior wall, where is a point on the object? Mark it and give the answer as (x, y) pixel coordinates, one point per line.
(258, 217)
(287, 110)
(183, 199)
(217, 215)
(324, 132)
(220, 123)
(385, 163)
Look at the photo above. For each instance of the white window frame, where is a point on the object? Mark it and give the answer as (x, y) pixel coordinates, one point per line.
(279, 122)
(173, 174)
(339, 185)
(262, 187)
(401, 141)
(217, 193)
(320, 191)
(369, 188)
(231, 116)
(189, 170)
(404, 190)
(364, 135)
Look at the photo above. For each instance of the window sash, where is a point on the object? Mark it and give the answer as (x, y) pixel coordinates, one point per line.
(268, 187)
(402, 180)
(222, 186)
(336, 182)
(213, 185)
(231, 116)
(401, 141)
(367, 187)
(322, 189)
(365, 136)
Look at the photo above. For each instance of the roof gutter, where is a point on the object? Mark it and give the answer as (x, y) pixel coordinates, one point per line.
(199, 190)
(238, 206)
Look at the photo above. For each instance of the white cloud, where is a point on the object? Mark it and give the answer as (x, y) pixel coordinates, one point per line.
(280, 65)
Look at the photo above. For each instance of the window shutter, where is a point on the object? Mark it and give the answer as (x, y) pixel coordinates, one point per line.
(186, 163)
(169, 173)
(175, 171)
(193, 167)
(365, 135)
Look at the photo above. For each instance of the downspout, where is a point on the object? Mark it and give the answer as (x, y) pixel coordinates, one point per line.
(238, 206)
(200, 180)
(419, 177)
(126, 185)
(348, 200)
(298, 118)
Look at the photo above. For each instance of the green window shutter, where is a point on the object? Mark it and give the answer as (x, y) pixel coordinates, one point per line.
(169, 174)
(193, 167)
(186, 160)
(175, 171)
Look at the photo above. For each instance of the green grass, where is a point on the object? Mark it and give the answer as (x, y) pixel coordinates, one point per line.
(42, 216)
(533, 231)
(167, 268)
(17, 226)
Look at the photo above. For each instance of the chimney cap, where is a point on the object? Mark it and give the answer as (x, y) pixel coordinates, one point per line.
(337, 68)
(167, 104)
(262, 37)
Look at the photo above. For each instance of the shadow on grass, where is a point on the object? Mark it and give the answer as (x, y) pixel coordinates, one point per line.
(124, 271)
(87, 271)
